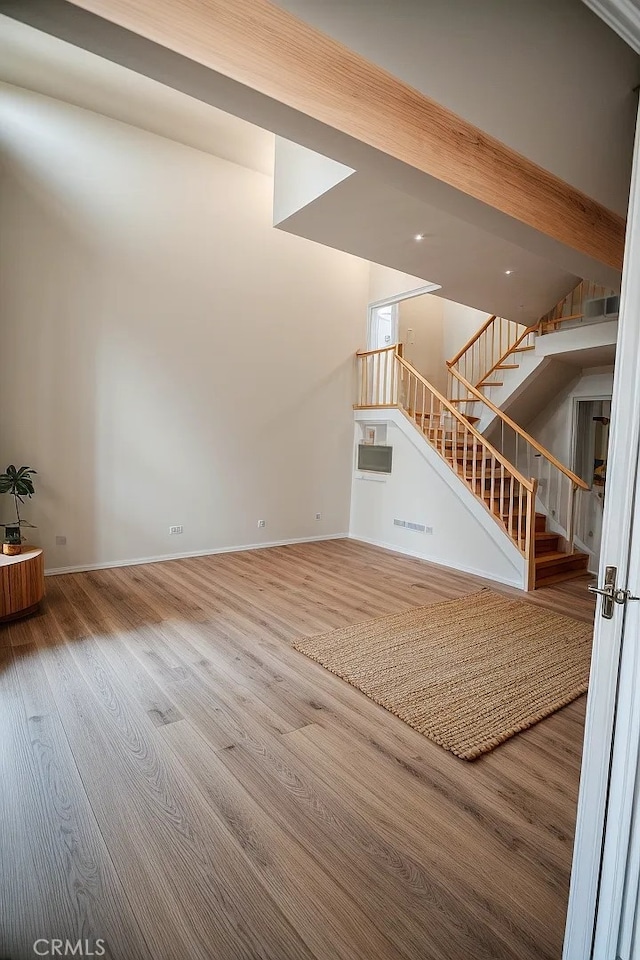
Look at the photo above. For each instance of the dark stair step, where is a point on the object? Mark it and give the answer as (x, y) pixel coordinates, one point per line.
(546, 543)
(558, 564)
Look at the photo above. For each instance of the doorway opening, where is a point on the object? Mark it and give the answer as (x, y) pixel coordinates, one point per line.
(383, 326)
(591, 420)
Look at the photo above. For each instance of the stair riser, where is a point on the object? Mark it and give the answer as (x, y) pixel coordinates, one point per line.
(544, 548)
(567, 565)
(559, 578)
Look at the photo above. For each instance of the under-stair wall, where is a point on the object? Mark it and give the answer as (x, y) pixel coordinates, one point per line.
(423, 489)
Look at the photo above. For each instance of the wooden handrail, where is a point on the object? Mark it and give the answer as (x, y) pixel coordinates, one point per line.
(367, 353)
(558, 320)
(528, 484)
(523, 433)
(471, 342)
(508, 353)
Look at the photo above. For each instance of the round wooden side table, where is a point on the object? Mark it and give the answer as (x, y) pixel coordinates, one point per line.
(21, 583)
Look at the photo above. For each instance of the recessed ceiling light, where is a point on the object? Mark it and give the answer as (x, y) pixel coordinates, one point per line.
(508, 272)
(419, 236)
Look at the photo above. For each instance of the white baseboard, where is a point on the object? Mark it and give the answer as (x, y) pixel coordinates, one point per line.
(461, 568)
(107, 565)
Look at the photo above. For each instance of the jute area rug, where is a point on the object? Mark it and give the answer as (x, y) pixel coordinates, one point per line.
(467, 673)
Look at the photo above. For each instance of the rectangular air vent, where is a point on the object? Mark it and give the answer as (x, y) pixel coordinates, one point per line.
(410, 525)
(602, 307)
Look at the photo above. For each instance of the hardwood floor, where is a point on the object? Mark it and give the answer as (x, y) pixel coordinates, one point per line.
(179, 783)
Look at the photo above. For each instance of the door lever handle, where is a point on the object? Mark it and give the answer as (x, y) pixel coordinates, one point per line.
(606, 591)
(617, 595)
(610, 593)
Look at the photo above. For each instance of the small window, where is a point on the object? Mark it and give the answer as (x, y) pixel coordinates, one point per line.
(374, 457)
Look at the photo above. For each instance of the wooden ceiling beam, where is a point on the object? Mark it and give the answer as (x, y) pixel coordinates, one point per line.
(265, 48)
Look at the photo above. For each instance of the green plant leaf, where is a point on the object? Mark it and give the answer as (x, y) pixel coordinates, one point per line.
(18, 483)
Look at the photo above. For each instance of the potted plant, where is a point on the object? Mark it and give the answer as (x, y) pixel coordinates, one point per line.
(19, 484)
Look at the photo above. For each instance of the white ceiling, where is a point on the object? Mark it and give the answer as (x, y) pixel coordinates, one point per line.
(47, 65)
(368, 218)
(602, 356)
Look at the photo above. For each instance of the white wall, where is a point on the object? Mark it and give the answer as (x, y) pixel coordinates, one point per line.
(422, 488)
(554, 425)
(420, 331)
(166, 357)
(459, 325)
(301, 175)
(432, 331)
(386, 283)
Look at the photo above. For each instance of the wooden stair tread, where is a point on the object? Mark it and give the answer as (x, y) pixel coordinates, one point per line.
(491, 383)
(560, 577)
(557, 555)
(507, 366)
(531, 346)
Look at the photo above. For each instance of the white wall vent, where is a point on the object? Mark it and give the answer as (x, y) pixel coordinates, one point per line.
(602, 307)
(418, 527)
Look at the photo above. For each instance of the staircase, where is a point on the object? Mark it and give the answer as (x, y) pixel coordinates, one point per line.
(499, 345)
(493, 349)
(487, 361)
(551, 563)
(522, 486)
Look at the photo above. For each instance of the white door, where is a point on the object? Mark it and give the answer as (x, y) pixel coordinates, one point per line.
(616, 917)
(602, 916)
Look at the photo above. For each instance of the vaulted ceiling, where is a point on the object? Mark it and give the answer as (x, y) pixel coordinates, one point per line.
(546, 79)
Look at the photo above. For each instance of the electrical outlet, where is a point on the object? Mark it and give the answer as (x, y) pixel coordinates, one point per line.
(318, 516)
(262, 523)
(61, 541)
(177, 529)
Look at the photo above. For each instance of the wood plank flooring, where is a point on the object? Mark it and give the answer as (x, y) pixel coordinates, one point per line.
(179, 783)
